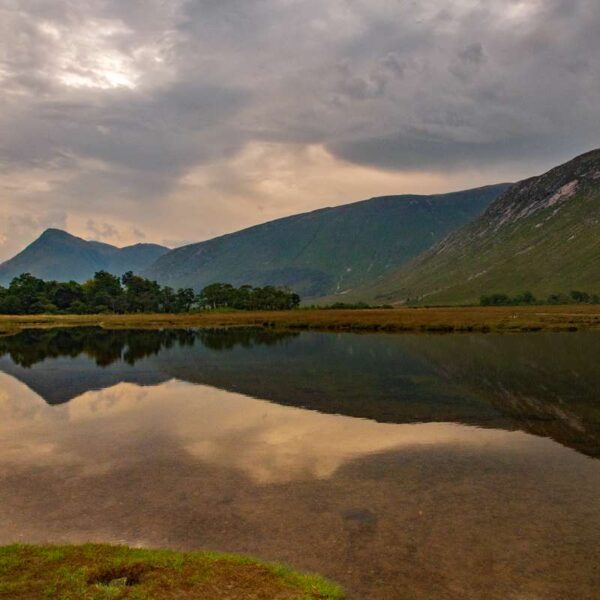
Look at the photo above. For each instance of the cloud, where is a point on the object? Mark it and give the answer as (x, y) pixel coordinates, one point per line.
(268, 180)
(102, 231)
(138, 233)
(109, 109)
(441, 151)
(16, 228)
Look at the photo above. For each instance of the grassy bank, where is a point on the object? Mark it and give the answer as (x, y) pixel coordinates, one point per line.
(502, 318)
(98, 572)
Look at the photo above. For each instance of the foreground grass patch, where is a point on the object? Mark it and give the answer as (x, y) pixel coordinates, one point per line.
(99, 572)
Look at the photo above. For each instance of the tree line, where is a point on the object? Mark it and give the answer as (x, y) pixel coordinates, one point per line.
(246, 297)
(107, 293)
(527, 298)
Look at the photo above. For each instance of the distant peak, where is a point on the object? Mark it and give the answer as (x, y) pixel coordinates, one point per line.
(52, 232)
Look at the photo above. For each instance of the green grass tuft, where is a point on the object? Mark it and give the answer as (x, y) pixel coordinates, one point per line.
(100, 572)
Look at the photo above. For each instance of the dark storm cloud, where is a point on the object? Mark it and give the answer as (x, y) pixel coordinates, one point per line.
(412, 149)
(209, 76)
(505, 83)
(105, 102)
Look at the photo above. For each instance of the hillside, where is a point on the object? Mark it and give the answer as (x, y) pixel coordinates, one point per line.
(542, 235)
(328, 251)
(58, 255)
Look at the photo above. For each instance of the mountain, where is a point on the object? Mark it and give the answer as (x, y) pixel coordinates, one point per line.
(327, 251)
(541, 235)
(59, 255)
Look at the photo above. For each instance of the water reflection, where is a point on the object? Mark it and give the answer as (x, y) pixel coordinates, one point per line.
(107, 347)
(196, 439)
(279, 443)
(548, 385)
(425, 511)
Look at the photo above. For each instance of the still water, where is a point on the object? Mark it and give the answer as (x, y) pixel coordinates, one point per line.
(408, 467)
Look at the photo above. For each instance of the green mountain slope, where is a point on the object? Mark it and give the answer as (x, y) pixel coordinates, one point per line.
(543, 235)
(64, 257)
(328, 251)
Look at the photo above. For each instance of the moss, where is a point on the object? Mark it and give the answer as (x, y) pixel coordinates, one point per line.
(100, 572)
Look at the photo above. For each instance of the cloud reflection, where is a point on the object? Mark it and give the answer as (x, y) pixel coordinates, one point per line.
(267, 442)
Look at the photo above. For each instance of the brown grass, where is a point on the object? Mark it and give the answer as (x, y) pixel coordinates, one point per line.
(452, 319)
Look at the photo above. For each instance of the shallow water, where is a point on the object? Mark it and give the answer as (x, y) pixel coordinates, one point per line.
(460, 466)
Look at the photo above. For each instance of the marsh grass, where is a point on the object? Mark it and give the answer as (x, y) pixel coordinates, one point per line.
(100, 572)
(440, 320)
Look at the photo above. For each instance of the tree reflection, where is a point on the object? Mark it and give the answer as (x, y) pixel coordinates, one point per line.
(106, 347)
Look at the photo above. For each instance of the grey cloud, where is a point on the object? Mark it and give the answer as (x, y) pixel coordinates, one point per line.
(359, 87)
(20, 229)
(122, 99)
(395, 63)
(523, 94)
(473, 53)
(102, 231)
(30, 223)
(411, 149)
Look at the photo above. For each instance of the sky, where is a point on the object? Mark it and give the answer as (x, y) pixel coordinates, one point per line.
(173, 121)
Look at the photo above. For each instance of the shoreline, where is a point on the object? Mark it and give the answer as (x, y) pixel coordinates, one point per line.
(397, 320)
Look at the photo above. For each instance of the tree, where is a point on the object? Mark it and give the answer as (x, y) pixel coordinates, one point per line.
(168, 300)
(216, 295)
(132, 293)
(28, 294)
(184, 300)
(141, 295)
(104, 293)
(219, 295)
(65, 295)
(558, 299)
(524, 298)
(582, 297)
(495, 300)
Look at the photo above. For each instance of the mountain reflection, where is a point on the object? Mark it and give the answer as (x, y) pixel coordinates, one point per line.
(545, 384)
